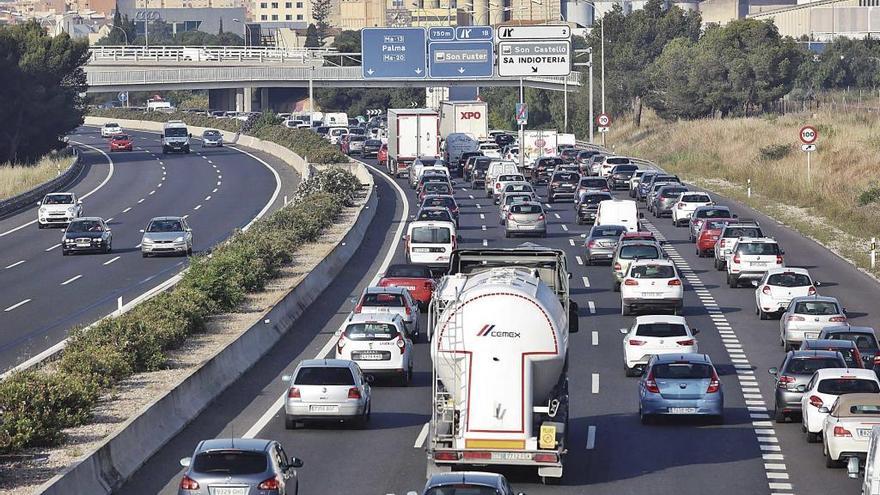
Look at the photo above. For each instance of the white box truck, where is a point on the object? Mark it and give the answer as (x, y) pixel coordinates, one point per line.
(468, 117)
(499, 332)
(537, 144)
(411, 133)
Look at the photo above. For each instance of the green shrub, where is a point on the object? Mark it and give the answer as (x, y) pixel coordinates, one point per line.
(870, 195)
(216, 280)
(774, 152)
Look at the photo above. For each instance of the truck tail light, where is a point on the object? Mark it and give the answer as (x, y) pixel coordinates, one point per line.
(714, 384)
(187, 483)
(816, 401)
(293, 393)
(650, 384)
(545, 458)
(446, 456)
(766, 289)
(675, 282)
(270, 484)
(354, 393)
(630, 281)
(840, 431)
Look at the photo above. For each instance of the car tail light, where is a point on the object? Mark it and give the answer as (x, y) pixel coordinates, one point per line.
(840, 431)
(618, 267)
(736, 258)
(408, 311)
(401, 344)
(454, 243)
(497, 185)
(555, 184)
(876, 360)
(359, 307)
(293, 393)
(187, 483)
(765, 289)
(794, 318)
(340, 344)
(592, 243)
(540, 217)
(354, 393)
(837, 319)
(816, 401)
(723, 242)
(674, 281)
(811, 291)
(681, 206)
(778, 259)
(510, 216)
(270, 484)
(650, 384)
(636, 342)
(630, 281)
(784, 380)
(714, 384)
(685, 342)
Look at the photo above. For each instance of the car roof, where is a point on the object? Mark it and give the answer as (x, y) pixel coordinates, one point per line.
(815, 298)
(89, 218)
(787, 269)
(470, 477)
(249, 444)
(431, 223)
(757, 240)
(642, 320)
(325, 363)
(838, 372)
(848, 329)
(385, 290)
(827, 343)
(166, 218)
(688, 356)
(60, 194)
(811, 353)
(658, 261)
(846, 402)
(367, 317)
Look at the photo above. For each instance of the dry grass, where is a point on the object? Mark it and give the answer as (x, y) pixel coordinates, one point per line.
(767, 151)
(16, 179)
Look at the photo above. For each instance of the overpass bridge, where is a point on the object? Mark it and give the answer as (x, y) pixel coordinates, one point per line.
(240, 77)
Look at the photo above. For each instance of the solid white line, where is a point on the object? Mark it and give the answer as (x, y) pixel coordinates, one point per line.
(591, 437)
(586, 281)
(595, 338)
(197, 207)
(274, 193)
(84, 196)
(420, 440)
(15, 264)
(595, 383)
(10, 308)
(270, 413)
(114, 259)
(126, 210)
(71, 279)
(52, 247)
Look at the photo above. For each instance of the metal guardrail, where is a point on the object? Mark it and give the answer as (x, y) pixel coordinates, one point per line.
(638, 161)
(218, 54)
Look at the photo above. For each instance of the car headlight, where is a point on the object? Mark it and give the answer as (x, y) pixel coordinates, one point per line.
(43, 210)
(71, 209)
(179, 239)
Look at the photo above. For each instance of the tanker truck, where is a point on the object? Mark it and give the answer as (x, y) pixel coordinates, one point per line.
(499, 328)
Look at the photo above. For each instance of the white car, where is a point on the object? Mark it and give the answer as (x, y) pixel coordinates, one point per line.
(503, 180)
(379, 343)
(685, 205)
(655, 334)
(847, 428)
(779, 286)
(58, 209)
(651, 284)
(750, 258)
(335, 134)
(110, 129)
(609, 163)
(430, 243)
(423, 163)
(806, 316)
(391, 300)
(825, 387)
(490, 149)
(509, 199)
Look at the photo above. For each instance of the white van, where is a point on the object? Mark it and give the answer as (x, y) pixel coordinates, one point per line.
(334, 134)
(497, 168)
(335, 119)
(430, 243)
(619, 212)
(175, 137)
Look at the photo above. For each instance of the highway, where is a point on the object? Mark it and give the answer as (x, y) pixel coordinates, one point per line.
(219, 189)
(610, 451)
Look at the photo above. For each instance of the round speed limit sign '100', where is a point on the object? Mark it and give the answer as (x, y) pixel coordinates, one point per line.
(809, 134)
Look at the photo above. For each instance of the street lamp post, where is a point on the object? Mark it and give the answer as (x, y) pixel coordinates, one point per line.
(146, 27)
(589, 63)
(112, 27)
(246, 32)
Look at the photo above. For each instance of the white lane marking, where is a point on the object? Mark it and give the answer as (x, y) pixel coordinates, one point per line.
(595, 337)
(215, 190)
(218, 182)
(152, 192)
(140, 200)
(15, 264)
(592, 306)
(485, 242)
(197, 207)
(219, 176)
(84, 196)
(595, 383)
(482, 217)
(586, 281)
(16, 305)
(126, 210)
(211, 162)
(52, 247)
(72, 279)
(571, 241)
(114, 259)
(548, 206)
(478, 206)
(579, 260)
(208, 198)
(138, 245)
(564, 227)
(270, 413)
(557, 216)
(423, 434)
(470, 196)
(591, 437)
(482, 227)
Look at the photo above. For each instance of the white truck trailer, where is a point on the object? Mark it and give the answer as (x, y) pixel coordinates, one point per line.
(411, 133)
(536, 144)
(500, 324)
(467, 117)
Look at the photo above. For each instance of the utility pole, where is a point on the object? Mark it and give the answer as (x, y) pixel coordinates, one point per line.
(589, 63)
(522, 159)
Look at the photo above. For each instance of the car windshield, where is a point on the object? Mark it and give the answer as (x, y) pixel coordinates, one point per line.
(569, 177)
(427, 162)
(516, 198)
(789, 280)
(624, 169)
(439, 201)
(431, 235)
(370, 331)
(211, 134)
(742, 232)
(665, 178)
(843, 386)
(863, 341)
(373, 142)
(662, 330)
(356, 139)
(672, 192)
(715, 225)
(383, 300)
(121, 137)
(230, 462)
(58, 199)
(808, 366)
(176, 132)
(165, 226)
(85, 226)
(593, 182)
(403, 271)
(695, 198)
(439, 215)
(594, 199)
(816, 308)
(639, 251)
(678, 371)
(510, 178)
(758, 248)
(617, 161)
(652, 271)
(526, 209)
(111, 125)
(324, 375)
(462, 489)
(607, 231)
(437, 187)
(518, 188)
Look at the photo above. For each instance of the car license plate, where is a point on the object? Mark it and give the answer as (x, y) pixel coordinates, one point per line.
(652, 295)
(812, 335)
(229, 490)
(758, 263)
(864, 432)
(83, 244)
(421, 250)
(511, 456)
(380, 309)
(366, 356)
(682, 410)
(319, 408)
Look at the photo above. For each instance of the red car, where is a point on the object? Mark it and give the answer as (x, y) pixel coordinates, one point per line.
(120, 142)
(382, 155)
(708, 235)
(414, 278)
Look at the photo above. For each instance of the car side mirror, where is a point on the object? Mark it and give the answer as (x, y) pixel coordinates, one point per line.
(573, 323)
(754, 283)
(624, 331)
(801, 388)
(695, 331)
(773, 371)
(369, 378)
(286, 378)
(824, 410)
(79, 202)
(186, 461)
(295, 462)
(39, 203)
(817, 283)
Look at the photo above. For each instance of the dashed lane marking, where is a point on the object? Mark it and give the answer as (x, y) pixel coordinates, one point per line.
(52, 247)
(71, 279)
(15, 264)
(116, 258)
(16, 305)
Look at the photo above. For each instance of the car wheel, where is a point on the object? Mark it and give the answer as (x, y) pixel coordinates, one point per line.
(812, 437)
(144, 255)
(630, 372)
(778, 415)
(579, 221)
(289, 423)
(646, 419)
(829, 462)
(587, 260)
(64, 252)
(616, 286)
(762, 315)
(732, 282)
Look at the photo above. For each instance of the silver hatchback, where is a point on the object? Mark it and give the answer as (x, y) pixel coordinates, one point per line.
(167, 235)
(327, 390)
(239, 466)
(525, 218)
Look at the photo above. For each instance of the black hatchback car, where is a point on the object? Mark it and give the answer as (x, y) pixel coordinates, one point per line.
(87, 234)
(846, 348)
(864, 338)
(543, 169)
(562, 185)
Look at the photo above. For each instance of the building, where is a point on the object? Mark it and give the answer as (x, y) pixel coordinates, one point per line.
(281, 11)
(358, 14)
(533, 11)
(824, 20)
(203, 15)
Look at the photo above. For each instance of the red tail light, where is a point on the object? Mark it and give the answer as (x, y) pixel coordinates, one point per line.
(446, 456)
(811, 291)
(815, 401)
(736, 258)
(681, 206)
(359, 308)
(293, 393)
(340, 344)
(270, 484)
(837, 319)
(401, 345)
(685, 342)
(765, 289)
(592, 243)
(477, 455)
(840, 431)
(187, 483)
(618, 267)
(454, 243)
(723, 242)
(714, 384)
(510, 216)
(497, 185)
(545, 458)
(540, 217)
(630, 281)
(784, 380)
(354, 393)
(636, 342)
(651, 385)
(408, 311)
(778, 259)
(876, 360)
(674, 281)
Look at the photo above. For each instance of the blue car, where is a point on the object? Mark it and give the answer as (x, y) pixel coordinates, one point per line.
(680, 384)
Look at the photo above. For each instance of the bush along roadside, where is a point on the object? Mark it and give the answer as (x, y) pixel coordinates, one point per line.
(37, 405)
(303, 142)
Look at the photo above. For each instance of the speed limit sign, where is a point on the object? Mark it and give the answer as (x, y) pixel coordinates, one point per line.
(603, 119)
(809, 134)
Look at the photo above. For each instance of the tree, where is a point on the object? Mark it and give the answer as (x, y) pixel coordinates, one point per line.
(312, 39)
(320, 13)
(220, 29)
(41, 79)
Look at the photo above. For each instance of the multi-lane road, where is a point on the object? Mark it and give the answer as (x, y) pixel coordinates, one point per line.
(219, 189)
(610, 451)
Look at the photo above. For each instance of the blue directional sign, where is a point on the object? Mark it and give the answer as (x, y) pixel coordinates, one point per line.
(393, 53)
(441, 34)
(460, 59)
(473, 33)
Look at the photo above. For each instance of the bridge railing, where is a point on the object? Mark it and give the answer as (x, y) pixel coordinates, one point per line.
(257, 54)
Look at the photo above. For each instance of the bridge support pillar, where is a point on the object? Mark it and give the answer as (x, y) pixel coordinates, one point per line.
(264, 99)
